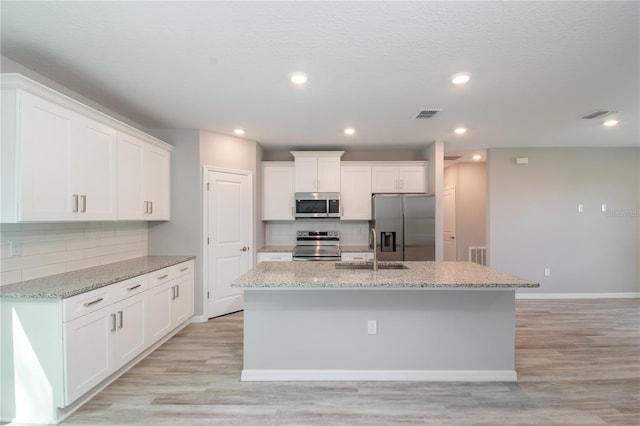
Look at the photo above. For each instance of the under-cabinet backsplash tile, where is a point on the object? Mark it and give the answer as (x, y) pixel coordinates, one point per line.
(284, 233)
(51, 248)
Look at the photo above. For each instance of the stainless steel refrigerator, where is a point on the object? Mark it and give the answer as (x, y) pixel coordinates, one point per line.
(405, 226)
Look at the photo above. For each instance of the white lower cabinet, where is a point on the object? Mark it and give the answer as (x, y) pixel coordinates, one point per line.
(356, 256)
(170, 299)
(98, 344)
(275, 256)
(56, 351)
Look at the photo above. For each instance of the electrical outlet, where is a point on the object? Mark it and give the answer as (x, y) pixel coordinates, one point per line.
(547, 272)
(580, 208)
(604, 208)
(15, 248)
(372, 327)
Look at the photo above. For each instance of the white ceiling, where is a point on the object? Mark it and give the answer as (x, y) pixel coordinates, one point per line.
(537, 68)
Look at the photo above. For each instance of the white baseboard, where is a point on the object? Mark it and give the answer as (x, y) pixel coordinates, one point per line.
(198, 318)
(379, 375)
(577, 295)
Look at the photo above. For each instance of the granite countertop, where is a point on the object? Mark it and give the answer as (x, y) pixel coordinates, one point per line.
(314, 275)
(69, 284)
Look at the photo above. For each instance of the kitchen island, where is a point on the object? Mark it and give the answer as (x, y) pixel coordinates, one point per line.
(446, 321)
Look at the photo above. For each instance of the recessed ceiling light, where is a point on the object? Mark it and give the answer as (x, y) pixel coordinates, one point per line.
(460, 131)
(477, 157)
(460, 78)
(299, 78)
(238, 132)
(349, 131)
(610, 123)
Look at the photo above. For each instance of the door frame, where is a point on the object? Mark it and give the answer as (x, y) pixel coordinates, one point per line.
(205, 227)
(450, 190)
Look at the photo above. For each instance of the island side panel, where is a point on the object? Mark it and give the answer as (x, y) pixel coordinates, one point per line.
(427, 331)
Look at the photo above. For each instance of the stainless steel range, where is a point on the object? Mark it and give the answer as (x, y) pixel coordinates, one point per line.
(317, 245)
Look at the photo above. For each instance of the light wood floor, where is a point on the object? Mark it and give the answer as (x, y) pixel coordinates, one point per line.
(578, 364)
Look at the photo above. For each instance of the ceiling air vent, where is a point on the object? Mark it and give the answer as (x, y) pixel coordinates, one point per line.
(427, 113)
(597, 114)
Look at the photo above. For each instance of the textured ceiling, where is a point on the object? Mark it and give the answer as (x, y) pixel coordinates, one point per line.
(537, 68)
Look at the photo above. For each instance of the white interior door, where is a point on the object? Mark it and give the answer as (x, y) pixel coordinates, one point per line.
(229, 235)
(449, 204)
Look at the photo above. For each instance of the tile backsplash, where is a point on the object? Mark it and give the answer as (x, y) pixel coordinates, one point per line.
(34, 250)
(284, 233)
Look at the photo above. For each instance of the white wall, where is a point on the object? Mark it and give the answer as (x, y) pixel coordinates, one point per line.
(54, 248)
(470, 182)
(9, 66)
(434, 153)
(182, 235)
(195, 149)
(533, 221)
(229, 152)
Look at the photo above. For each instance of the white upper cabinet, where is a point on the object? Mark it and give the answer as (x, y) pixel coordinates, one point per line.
(93, 171)
(317, 171)
(143, 180)
(355, 192)
(278, 190)
(63, 164)
(401, 177)
(157, 183)
(60, 160)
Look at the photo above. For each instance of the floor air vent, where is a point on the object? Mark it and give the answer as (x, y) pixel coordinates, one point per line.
(478, 255)
(427, 113)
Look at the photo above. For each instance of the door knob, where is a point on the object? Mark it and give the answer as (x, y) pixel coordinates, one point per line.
(453, 238)
(244, 248)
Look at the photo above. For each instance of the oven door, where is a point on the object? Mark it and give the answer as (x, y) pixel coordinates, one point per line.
(311, 208)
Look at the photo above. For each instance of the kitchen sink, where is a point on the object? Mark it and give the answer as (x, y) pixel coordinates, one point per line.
(369, 266)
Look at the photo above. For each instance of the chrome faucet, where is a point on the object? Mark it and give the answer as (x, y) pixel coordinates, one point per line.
(375, 249)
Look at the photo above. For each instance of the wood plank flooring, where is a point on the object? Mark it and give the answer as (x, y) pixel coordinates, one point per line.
(578, 363)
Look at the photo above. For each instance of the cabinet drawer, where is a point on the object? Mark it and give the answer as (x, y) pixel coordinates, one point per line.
(129, 287)
(86, 303)
(275, 257)
(167, 274)
(357, 257)
(183, 268)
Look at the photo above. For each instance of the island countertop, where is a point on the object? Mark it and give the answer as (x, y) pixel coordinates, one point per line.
(318, 275)
(61, 286)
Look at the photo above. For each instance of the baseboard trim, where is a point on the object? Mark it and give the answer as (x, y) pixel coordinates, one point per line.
(633, 295)
(198, 318)
(379, 375)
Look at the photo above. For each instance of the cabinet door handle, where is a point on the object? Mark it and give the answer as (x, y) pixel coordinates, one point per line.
(120, 319)
(84, 204)
(173, 292)
(150, 207)
(146, 207)
(163, 276)
(177, 291)
(113, 323)
(184, 269)
(93, 302)
(358, 258)
(75, 203)
(134, 287)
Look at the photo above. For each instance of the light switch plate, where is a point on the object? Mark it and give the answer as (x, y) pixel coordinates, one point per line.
(372, 327)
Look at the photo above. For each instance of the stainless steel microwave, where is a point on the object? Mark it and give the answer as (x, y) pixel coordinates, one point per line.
(317, 204)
